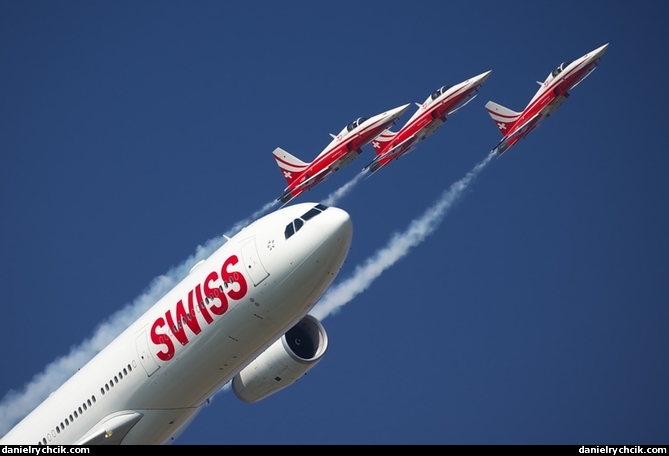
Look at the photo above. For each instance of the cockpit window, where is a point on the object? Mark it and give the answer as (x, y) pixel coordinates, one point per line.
(290, 230)
(294, 226)
(355, 124)
(439, 92)
(311, 214)
(560, 69)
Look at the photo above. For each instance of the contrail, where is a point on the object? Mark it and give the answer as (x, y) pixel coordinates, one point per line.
(17, 404)
(245, 222)
(399, 246)
(342, 191)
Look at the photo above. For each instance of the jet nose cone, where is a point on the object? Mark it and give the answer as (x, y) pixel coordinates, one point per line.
(333, 235)
(388, 117)
(595, 55)
(397, 112)
(600, 50)
(339, 223)
(483, 76)
(479, 79)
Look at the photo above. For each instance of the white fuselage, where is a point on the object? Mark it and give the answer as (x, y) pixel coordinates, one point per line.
(154, 378)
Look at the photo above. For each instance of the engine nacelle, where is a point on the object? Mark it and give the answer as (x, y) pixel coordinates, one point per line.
(285, 361)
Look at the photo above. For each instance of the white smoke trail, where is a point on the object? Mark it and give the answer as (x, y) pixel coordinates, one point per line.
(247, 221)
(342, 191)
(399, 246)
(17, 404)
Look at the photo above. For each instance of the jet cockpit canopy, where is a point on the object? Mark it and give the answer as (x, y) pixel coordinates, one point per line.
(560, 69)
(439, 92)
(355, 124)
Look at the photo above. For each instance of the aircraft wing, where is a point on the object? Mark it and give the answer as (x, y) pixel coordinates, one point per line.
(519, 133)
(584, 76)
(389, 153)
(291, 193)
(112, 429)
(462, 105)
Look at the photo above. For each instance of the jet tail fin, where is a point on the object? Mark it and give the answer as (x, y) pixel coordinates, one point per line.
(503, 117)
(291, 167)
(380, 143)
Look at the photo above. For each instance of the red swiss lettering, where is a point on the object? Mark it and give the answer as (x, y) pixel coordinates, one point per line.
(200, 303)
(177, 328)
(183, 319)
(213, 293)
(162, 339)
(237, 278)
(237, 290)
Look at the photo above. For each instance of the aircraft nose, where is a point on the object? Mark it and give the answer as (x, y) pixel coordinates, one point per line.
(480, 79)
(339, 224)
(333, 232)
(477, 80)
(397, 112)
(595, 55)
(600, 50)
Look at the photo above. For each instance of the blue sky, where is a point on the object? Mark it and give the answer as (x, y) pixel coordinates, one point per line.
(132, 132)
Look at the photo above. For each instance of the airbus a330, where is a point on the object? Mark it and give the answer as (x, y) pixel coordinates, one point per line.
(239, 315)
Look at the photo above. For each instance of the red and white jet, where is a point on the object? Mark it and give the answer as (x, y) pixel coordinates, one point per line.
(553, 92)
(340, 152)
(431, 115)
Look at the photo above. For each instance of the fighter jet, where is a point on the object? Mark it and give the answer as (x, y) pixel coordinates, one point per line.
(553, 92)
(431, 115)
(343, 148)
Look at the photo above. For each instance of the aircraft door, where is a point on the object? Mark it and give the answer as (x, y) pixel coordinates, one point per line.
(252, 263)
(145, 357)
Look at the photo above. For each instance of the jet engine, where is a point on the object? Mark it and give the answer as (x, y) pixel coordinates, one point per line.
(283, 363)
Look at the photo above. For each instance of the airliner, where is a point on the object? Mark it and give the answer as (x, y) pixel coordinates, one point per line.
(239, 316)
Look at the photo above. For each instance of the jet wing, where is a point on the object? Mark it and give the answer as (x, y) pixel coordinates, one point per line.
(111, 429)
(519, 133)
(462, 105)
(584, 76)
(291, 193)
(390, 153)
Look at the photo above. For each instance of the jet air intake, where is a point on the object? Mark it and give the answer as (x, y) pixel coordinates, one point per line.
(284, 362)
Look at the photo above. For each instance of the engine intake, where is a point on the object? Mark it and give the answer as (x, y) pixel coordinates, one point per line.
(284, 362)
